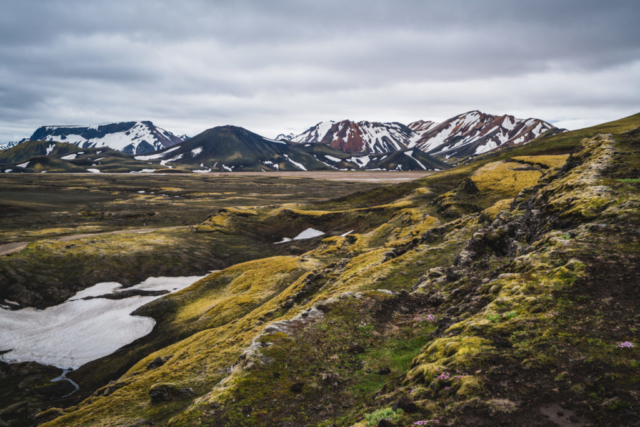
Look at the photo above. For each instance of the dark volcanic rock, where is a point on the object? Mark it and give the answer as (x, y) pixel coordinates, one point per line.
(297, 387)
(406, 404)
(166, 392)
(157, 362)
(130, 293)
(356, 349)
(502, 342)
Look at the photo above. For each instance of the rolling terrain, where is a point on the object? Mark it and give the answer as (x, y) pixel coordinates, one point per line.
(476, 296)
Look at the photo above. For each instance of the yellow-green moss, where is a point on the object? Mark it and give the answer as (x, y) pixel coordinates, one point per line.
(504, 178)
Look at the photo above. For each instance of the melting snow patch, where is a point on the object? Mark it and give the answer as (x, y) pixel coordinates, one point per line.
(346, 234)
(360, 161)
(79, 331)
(333, 159)
(409, 153)
(309, 233)
(299, 165)
(486, 147)
(284, 240)
(196, 151)
(7, 170)
(152, 156)
(50, 148)
(94, 170)
(69, 156)
(23, 165)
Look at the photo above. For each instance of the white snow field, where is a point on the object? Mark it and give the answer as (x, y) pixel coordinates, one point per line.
(309, 233)
(79, 331)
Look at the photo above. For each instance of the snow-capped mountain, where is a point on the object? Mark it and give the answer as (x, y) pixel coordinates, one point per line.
(10, 144)
(285, 137)
(476, 133)
(358, 137)
(128, 137)
(422, 126)
(467, 134)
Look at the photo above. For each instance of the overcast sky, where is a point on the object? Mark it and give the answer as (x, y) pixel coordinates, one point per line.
(282, 66)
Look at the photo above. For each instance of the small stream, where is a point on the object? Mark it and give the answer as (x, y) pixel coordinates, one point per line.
(63, 377)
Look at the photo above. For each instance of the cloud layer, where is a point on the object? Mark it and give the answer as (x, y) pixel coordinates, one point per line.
(282, 66)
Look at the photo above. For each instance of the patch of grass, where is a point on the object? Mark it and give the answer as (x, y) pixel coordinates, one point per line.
(383, 414)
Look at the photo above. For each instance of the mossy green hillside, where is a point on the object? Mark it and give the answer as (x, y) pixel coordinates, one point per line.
(513, 301)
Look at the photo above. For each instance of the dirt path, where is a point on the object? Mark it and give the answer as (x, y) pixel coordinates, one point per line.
(82, 236)
(9, 248)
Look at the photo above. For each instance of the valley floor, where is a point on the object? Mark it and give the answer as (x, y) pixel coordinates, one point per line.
(503, 292)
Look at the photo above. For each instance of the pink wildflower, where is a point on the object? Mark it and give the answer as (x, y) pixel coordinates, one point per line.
(443, 376)
(625, 344)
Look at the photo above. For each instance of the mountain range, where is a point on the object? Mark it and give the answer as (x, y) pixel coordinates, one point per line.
(464, 135)
(220, 149)
(345, 145)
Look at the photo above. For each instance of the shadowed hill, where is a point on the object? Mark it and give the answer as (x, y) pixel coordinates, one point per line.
(28, 149)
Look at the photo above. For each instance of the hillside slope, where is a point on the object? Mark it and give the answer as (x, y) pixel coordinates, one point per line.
(28, 149)
(487, 301)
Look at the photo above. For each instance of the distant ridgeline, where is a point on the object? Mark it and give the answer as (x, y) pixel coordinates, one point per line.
(373, 146)
(462, 136)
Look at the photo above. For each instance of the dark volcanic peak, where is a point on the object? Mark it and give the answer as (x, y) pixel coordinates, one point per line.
(232, 148)
(128, 137)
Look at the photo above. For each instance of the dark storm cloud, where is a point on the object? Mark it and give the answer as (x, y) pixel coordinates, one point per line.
(284, 65)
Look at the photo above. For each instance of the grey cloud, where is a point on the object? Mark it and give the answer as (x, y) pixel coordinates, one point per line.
(285, 65)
